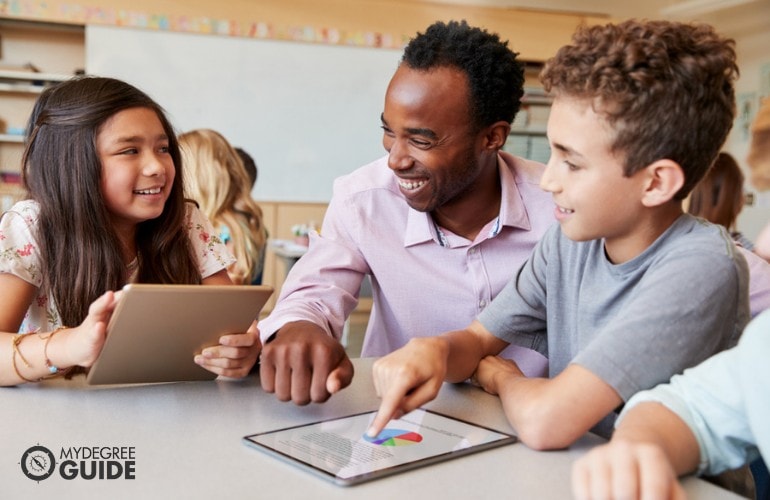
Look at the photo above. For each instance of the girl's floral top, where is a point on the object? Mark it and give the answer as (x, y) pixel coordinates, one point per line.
(19, 256)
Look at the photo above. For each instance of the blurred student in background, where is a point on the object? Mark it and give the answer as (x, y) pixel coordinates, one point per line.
(719, 197)
(249, 164)
(759, 163)
(217, 180)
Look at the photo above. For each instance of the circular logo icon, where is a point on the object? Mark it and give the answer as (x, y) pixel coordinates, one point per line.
(38, 463)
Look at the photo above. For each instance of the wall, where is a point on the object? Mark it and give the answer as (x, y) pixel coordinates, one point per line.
(307, 113)
(536, 35)
(749, 25)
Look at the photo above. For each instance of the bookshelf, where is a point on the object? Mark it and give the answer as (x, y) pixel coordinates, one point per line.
(33, 55)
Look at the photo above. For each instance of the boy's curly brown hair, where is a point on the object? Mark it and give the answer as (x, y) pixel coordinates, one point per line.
(665, 87)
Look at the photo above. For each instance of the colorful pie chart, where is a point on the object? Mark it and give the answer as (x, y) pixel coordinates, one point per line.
(395, 437)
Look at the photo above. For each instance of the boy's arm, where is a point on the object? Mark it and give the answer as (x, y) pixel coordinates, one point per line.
(411, 376)
(649, 449)
(548, 413)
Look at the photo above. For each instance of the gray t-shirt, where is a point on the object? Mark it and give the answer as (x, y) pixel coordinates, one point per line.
(635, 324)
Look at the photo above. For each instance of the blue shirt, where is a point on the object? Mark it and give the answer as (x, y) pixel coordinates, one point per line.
(725, 401)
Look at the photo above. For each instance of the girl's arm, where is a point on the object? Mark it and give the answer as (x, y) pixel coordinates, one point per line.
(31, 357)
(219, 278)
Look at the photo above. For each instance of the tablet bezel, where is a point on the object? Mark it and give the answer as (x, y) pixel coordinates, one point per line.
(505, 438)
(137, 348)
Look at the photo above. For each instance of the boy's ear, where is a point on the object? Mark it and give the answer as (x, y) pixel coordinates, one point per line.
(496, 135)
(664, 178)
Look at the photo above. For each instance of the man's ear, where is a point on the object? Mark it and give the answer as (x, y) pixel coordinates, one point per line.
(496, 134)
(663, 179)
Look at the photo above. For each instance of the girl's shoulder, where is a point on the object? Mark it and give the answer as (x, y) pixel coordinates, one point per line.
(25, 212)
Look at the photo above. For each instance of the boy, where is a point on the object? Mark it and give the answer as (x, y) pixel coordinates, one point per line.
(626, 290)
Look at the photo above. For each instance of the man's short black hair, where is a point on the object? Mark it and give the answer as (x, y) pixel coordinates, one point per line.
(495, 77)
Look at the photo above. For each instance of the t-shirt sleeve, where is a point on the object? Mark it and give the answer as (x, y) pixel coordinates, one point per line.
(678, 317)
(212, 254)
(517, 314)
(18, 248)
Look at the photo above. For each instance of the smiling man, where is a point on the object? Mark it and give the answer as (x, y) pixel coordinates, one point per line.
(441, 223)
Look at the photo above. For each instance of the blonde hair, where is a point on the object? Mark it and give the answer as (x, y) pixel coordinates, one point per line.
(217, 180)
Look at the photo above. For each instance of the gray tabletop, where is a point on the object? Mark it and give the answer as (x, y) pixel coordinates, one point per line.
(185, 441)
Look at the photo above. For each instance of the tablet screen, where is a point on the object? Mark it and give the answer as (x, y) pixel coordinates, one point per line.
(340, 450)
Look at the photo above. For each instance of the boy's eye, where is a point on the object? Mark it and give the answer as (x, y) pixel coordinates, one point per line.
(129, 151)
(386, 130)
(571, 166)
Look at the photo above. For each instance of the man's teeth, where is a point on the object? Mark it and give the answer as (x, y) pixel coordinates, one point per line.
(148, 191)
(565, 210)
(411, 185)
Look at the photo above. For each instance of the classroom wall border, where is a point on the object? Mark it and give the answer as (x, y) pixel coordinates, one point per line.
(388, 24)
(91, 14)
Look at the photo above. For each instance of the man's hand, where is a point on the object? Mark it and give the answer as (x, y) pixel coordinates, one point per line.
(303, 364)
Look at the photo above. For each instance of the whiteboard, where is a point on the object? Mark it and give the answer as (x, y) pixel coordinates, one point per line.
(307, 113)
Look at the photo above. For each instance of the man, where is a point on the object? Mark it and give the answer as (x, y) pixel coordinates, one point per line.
(440, 224)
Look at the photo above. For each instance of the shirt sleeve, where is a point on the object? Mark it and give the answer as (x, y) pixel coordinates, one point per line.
(518, 313)
(725, 401)
(18, 248)
(657, 334)
(212, 254)
(323, 286)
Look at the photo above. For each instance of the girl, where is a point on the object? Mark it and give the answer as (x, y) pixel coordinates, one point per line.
(105, 208)
(217, 179)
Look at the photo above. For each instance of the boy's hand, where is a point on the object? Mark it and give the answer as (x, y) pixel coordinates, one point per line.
(408, 378)
(235, 354)
(304, 364)
(492, 372)
(625, 469)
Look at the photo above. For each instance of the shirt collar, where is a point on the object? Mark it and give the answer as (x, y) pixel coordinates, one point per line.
(513, 212)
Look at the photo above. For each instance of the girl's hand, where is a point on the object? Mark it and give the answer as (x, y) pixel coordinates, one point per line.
(84, 343)
(234, 356)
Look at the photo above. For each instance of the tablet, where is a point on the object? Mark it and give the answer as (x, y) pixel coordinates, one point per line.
(340, 451)
(156, 330)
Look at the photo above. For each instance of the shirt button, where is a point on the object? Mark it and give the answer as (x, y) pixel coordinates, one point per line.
(482, 303)
(472, 251)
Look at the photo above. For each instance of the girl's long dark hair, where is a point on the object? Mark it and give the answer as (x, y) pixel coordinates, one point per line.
(80, 253)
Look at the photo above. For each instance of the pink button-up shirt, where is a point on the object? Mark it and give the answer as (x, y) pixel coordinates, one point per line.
(419, 287)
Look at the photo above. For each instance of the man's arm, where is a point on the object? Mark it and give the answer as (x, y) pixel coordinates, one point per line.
(302, 363)
(650, 448)
(411, 376)
(548, 413)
